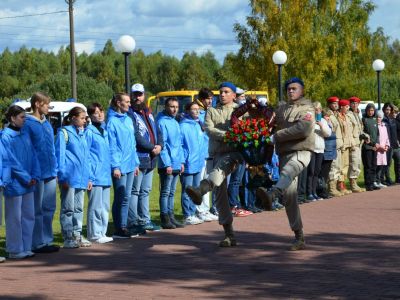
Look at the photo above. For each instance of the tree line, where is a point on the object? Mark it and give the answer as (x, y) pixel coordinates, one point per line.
(328, 43)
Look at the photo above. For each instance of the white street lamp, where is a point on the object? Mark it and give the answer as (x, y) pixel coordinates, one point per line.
(279, 58)
(378, 65)
(126, 44)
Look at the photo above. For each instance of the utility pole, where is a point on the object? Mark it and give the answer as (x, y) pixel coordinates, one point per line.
(72, 47)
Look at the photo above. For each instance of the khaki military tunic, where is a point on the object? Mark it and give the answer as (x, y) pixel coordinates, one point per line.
(335, 172)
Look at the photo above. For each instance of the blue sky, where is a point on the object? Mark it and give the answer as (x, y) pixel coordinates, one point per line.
(173, 26)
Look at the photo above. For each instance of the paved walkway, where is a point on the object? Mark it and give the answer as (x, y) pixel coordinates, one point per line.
(353, 253)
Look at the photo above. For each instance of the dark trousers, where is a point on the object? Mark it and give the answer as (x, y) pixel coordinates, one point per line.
(369, 161)
(380, 171)
(396, 161)
(313, 171)
(325, 168)
(385, 173)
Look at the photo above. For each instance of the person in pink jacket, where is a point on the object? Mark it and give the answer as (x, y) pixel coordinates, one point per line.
(384, 145)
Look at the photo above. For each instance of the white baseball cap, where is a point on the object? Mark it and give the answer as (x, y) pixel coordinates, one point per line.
(263, 101)
(240, 91)
(137, 87)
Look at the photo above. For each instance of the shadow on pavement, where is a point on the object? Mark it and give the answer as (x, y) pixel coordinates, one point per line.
(334, 265)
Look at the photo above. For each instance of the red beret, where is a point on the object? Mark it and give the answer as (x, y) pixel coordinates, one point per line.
(332, 99)
(355, 99)
(344, 102)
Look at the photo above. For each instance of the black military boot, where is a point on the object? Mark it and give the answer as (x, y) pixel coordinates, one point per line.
(229, 239)
(166, 222)
(175, 222)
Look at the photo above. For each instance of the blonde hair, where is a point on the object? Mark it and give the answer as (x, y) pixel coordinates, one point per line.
(317, 105)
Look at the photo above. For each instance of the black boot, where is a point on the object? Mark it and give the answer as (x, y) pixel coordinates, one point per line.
(229, 239)
(175, 222)
(166, 222)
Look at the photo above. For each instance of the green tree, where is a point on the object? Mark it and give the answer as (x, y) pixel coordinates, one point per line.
(326, 41)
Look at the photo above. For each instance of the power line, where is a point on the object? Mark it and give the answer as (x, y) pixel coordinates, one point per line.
(84, 38)
(34, 15)
(119, 33)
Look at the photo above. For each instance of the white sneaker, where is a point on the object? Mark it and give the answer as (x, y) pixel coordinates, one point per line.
(104, 240)
(211, 216)
(83, 242)
(30, 253)
(381, 185)
(207, 216)
(71, 244)
(20, 255)
(193, 220)
(2, 259)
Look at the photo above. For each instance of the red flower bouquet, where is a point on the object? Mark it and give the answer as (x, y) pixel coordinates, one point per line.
(251, 137)
(248, 133)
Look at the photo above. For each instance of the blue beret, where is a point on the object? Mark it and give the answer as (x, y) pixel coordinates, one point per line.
(228, 85)
(294, 80)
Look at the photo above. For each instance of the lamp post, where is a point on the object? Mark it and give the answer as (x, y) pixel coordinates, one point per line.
(378, 65)
(126, 44)
(279, 58)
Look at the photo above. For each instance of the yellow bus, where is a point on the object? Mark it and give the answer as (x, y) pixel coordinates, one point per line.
(157, 102)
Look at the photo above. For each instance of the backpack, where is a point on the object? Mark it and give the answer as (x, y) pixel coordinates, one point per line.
(65, 133)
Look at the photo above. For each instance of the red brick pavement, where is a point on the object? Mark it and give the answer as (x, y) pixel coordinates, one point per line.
(353, 253)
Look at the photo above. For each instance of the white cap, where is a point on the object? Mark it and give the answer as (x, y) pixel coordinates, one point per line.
(137, 87)
(240, 91)
(262, 101)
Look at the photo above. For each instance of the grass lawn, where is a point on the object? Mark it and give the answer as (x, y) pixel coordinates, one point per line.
(154, 210)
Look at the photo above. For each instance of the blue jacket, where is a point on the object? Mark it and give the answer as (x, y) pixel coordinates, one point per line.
(42, 137)
(24, 163)
(144, 145)
(121, 137)
(330, 147)
(202, 115)
(73, 157)
(6, 161)
(194, 144)
(172, 153)
(100, 162)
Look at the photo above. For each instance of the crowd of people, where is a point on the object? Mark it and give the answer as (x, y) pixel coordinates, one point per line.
(322, 147)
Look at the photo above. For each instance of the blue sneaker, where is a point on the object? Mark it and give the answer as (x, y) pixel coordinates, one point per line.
(136, 230)
(277, 205)
(311, 198)
(151, 227)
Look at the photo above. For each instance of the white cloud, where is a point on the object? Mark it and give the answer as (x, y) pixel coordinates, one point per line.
(88, 47)
(172, 26)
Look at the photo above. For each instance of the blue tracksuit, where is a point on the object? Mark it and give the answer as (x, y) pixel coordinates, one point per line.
(73, 157)
(5, 165)
(24, 164)
(99, 157)
(172, 153)
(121, 137)
(194, 144)
(42, 138)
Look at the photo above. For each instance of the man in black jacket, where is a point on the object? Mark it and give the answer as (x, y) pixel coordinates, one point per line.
(393, 151)
(149, 143)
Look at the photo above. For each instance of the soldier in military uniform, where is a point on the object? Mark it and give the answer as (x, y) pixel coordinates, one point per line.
(335, 171)
(294, 141)
(347, 147)
(359, 136)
